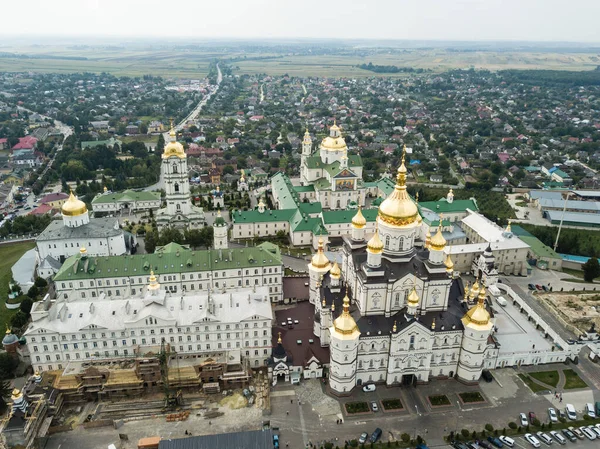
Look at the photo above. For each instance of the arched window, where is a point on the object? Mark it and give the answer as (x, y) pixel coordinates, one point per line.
(174, 168)
(401, 243)
(178, 207)
(387, 242)
(176, 187)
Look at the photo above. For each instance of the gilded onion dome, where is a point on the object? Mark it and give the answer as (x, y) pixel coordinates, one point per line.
(73, 207)
(438, 242)
(413, 297)
(307, 138)
(375, 245)
(427, 239)
(449, 264)
(335, 271)
(345, 324)
(16, 394)
(173, 148)
(359, 221)
(320, 260)
(478, 317)
(153, 285)
(334, 141)
(474, 289)
(398, 209)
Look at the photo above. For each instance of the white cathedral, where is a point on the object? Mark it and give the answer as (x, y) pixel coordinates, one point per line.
(336, 176)
(392, 313)
(179, 211)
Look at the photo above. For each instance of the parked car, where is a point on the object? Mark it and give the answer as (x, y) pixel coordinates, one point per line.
(376, 435)
(578, 433)
(507, 440)
(276, 441)
(552, 415)
(532, 417)
(458, 445)
(538, 286)
(495, 441)
(487, 376)
(589, 410)
(531, 286)
(546, 288)
(544, 437)
(374, 406)
(472, 445)
(595, 429)
(571, 413)
(369, 388)
(562, 414)
(570, 435)
(558, 437)
(523, 419)
(484, 444)
(590, 434)
(532, 440)
(363, 438)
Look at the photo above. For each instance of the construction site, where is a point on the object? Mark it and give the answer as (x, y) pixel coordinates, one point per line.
(153, 394)
(579, 310)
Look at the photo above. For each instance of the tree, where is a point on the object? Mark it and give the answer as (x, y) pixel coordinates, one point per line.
(33, 291)
(160, 145)
(5, 391)
(143, 128)
(150, 241)
(19, 319)
(8, 365)
(591, 269)
(26, 305)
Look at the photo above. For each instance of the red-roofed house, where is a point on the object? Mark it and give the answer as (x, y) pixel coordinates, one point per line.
(503, 157)
(41, 210)
(25, 143)
(3, 144)
(55, 199)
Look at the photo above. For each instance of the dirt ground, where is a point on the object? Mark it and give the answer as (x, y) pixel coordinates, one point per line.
(579, 309)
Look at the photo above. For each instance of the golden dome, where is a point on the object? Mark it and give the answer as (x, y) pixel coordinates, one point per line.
(474, 289)
(375, 245)
(413, 297)
(427, 239)
(398, 209)
(345, 324)
(74, 207)
(478, 317)
(508, 229)
(16, 394)
(359, 221)
(438, 242)
(154, 285)
(335, 271)
(173, 148)
(334, 141)
(82, 251)
(449, 264)
(307, 138)
(320, 260)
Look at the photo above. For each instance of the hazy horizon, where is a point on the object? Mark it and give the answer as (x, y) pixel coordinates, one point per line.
(487, 21)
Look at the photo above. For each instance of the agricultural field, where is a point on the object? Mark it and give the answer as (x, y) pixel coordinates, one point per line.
(193, 61)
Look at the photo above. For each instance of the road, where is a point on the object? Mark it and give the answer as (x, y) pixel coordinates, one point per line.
(191, 116)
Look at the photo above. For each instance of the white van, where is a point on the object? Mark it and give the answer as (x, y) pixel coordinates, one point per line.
(571, 413)
(501, 301)
(589, 410)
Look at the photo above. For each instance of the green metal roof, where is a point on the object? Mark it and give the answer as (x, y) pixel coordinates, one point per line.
(127, 195)
(287, 195)
(309, 188)
(322, 184)
(171, 248)
(311, 208)
(386, 185)
(539, 248)
(182, 261)
(443, 206)
(345, 216)
(254, 216)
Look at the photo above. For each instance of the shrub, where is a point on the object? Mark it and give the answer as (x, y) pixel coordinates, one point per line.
(543, 426)
(354, 443)
(495, 432)
(550, 425)
(587, 417)
(536, 422)
(40, 282)
(26, 305)
(419, 439)
(328, 445)
(489, 427)
(474, 435)
(405, 437)
(561, 419)
(520, 429)
(465, 433)
(512, 425)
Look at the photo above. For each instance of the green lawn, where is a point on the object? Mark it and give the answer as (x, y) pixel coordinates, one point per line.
(573, 380)
(548, 377)
(471, 396)
(440, 399)
(536, 388)
(9, 254)
(146, 138)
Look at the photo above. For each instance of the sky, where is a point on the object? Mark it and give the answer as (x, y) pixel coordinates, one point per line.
(469, 20)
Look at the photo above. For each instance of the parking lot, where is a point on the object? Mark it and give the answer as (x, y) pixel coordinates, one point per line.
(522, 443)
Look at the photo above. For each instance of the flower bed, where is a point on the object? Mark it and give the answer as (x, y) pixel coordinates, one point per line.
(438, 400)
(356, 407)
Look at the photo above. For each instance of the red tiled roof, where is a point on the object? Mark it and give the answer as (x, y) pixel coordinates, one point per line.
(54, 197)
(25, 143)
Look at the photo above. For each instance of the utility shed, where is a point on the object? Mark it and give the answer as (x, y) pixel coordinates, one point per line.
(253, 439)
